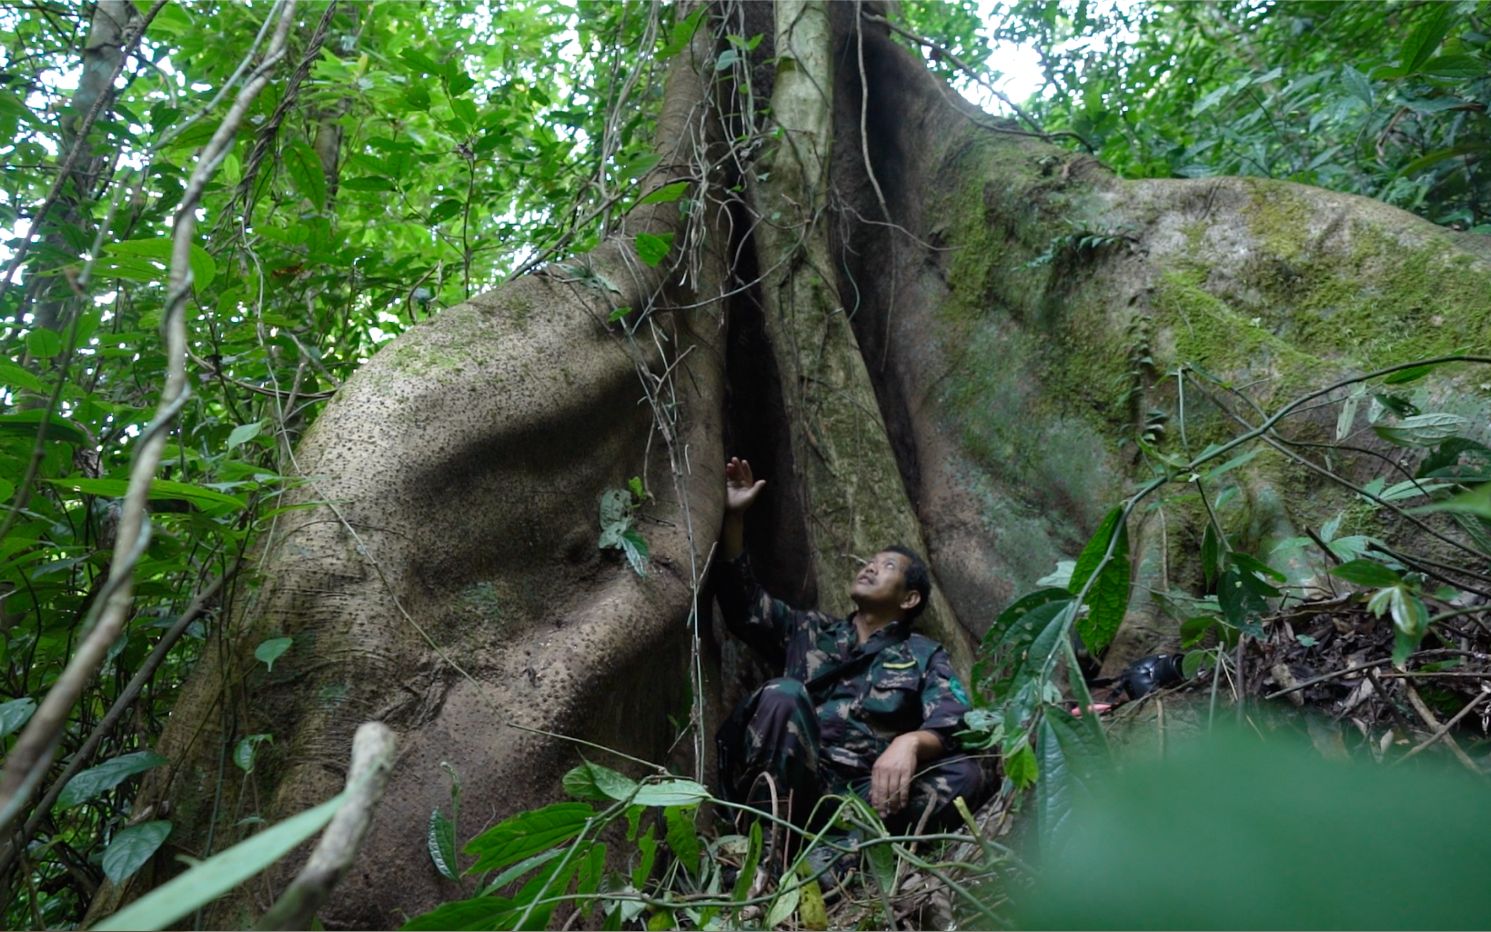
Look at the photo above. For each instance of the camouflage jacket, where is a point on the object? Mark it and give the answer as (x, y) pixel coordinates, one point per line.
(906, 684)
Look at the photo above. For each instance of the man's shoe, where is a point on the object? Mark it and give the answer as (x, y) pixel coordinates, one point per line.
(832, 864)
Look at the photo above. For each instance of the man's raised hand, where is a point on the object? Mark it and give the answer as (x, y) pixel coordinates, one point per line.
(741, 487)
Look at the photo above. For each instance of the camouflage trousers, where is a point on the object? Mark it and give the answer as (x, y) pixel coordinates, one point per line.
(775, 732)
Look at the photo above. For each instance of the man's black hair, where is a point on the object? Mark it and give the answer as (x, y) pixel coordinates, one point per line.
(917, 579)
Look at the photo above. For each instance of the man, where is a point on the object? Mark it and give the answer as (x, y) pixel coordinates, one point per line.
(864, 704)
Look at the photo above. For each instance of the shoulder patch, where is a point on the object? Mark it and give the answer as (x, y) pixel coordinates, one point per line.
(955, 686)
(901, 666)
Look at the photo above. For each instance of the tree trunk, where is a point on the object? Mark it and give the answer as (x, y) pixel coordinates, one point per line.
(445, 576)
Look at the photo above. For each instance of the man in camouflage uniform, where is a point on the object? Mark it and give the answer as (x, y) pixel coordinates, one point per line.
(864, 704)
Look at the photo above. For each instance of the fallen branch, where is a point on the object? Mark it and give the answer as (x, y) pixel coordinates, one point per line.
(1424, 713)
(1444, 729)
(373, 749)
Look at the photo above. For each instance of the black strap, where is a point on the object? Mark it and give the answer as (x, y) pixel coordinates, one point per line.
(852, 666)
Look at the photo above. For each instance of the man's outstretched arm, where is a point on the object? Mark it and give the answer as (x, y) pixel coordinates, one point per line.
(750, 612)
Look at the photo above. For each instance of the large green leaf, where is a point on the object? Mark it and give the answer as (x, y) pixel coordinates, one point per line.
(15, 713)
(1244, 598)
(1108, 598)
(682, 836)
(132, 847)
(1366, 573)
(527, 834)
(1422, 430)
(217, 875)
(58, 428)
(160, 489)
(474, 915)
(441, 841)
(157, 253)
(1476, 502)
(1421, 43)
(106, 776)
(653, 249)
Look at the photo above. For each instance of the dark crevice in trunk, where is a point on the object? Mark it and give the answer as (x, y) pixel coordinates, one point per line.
(756, 421)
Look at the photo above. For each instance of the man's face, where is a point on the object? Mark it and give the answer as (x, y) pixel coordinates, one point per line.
(881, 583)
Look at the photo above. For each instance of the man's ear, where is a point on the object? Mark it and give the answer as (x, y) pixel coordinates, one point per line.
(911, 600)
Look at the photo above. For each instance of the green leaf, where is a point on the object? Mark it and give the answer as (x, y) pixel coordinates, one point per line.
(217, 875)
(812, 910)
(14, 377)
(1211, 554)
(271, 650)
(681, 33)
(1068, 753)
(1240, 460)
(671, 792)
(1366, 573)
(1455, 66)
(464, 110)
(652, 249)
(1257, 566)
(526, 834)
(1422, 42)
(683, 837)
(598, 784)
(304, 168)
(458, 81)
(441, 841)
(132, 847)
(881, 861)
(1404, 644)
(1192, 663)
(592, 871)
(1357, 84)
(160, 489)
(618, 313)
(543, 886)
(477, 914)
(647, 846)
(1243, 597)
(157, 252)
(519, 869)
(1108, 598)
(1422, 430)
(243, 752)
(1411, 374)
(1021, 767)
(782, 908)
(367, 183)
(634, 545)
(1409, 612)
(748, 866)
(1476, 502)
(106, 776)
(26, 423)
(1193, 629)
(15, 713)
(667, 194)
(615, 506)
(43, 344)
(243, 433)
